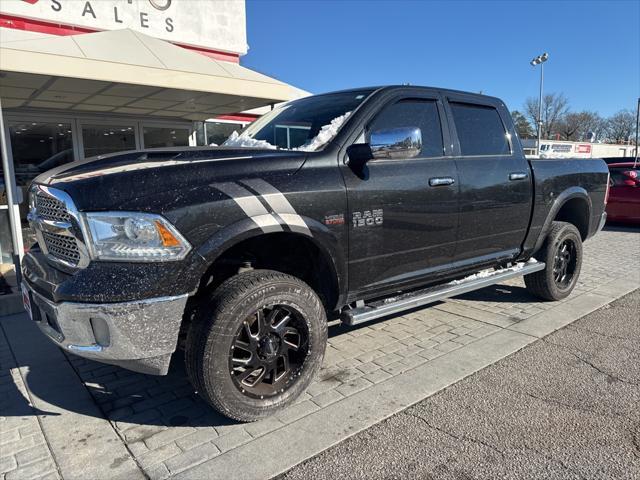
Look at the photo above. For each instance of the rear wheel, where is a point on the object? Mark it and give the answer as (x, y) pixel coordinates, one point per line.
(256, 343)
(562, 254)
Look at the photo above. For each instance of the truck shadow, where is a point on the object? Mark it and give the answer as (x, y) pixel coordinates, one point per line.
(128, 399)
(500, 294)
(621, 227)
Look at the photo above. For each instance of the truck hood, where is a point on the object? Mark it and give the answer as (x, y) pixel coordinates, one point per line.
(111, 181)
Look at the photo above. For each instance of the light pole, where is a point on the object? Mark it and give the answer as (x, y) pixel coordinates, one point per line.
(635, 162)
(539, 60)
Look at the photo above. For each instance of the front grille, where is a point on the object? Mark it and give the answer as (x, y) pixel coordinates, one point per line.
(50, 208)
(58, 240)
(62, 247)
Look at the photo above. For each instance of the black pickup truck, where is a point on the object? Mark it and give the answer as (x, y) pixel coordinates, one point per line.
(353, 205)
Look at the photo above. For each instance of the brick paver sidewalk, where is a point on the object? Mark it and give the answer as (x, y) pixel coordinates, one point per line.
(168, 431)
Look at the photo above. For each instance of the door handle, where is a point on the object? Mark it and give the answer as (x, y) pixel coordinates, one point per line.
(517, 176)
(441, 181)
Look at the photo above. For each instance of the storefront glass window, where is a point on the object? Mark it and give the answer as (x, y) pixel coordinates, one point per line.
(291, 136)
(155, 137)
(37, 147)
(101, 139)
(218, 132)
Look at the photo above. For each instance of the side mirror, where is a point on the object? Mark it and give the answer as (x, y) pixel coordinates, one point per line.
(404, 142)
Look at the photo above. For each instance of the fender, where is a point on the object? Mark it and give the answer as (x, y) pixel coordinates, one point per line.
(248, 227)
(564, 197)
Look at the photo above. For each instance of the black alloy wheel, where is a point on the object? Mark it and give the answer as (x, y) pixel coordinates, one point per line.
(561, 253)
(268, 351)
(564, 263)
(255, 343)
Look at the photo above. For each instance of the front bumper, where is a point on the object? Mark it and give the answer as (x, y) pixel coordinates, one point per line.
(139, 335)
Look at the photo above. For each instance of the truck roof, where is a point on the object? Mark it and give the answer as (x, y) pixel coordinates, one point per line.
(377, 88)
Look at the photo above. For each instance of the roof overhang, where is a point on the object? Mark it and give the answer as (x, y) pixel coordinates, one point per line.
(128, 72)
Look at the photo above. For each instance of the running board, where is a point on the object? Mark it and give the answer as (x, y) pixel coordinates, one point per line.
(406, 301)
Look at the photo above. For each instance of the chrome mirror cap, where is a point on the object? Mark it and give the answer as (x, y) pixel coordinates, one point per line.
(404, 142)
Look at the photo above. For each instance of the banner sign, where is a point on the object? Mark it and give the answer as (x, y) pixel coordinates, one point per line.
(213, 24)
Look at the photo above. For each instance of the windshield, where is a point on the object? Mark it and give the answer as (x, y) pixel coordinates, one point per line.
(307, 124)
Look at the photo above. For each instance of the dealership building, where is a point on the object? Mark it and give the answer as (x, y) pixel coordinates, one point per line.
(81, 78)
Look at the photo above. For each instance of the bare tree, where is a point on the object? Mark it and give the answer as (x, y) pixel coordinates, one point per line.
(523, 127)
(554, 107)
(620, 126)
(578, 126)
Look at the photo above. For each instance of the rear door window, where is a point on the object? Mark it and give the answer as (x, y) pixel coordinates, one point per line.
(480, 130)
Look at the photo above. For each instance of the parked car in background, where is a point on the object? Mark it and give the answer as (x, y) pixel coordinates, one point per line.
(624, 193)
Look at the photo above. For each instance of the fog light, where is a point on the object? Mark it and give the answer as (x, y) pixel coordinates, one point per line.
(100, 332)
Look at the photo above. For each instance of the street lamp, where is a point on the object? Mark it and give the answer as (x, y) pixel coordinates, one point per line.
(539, 60)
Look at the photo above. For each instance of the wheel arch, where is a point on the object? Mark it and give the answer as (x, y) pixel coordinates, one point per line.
(572, 206)
(245, 238)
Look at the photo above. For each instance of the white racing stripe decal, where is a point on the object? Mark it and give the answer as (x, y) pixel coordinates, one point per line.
(279, 203)
(251, 206)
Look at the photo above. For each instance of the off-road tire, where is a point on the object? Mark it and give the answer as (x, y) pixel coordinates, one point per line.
(218, 317)
(542, 284)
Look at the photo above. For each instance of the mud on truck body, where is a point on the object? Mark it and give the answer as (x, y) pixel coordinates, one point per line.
(353, 205)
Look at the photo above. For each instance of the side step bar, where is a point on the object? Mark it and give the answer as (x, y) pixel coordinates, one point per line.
(406, 301)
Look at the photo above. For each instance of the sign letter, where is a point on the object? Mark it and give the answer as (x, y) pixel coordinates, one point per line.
(169, 22)
(89, 9)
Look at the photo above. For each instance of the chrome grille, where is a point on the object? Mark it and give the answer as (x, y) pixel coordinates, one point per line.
(49, 208)
(54, 219)
(63, 247)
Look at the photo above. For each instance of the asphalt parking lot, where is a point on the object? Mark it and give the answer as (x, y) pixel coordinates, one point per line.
(564, 407)
(66, 417)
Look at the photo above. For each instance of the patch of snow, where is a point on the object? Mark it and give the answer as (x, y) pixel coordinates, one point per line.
(236, 140)
(475, 276)
(492, 272)
(324, 136)
(213, 144)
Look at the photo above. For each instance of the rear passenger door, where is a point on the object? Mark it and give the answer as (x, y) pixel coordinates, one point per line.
(495, 181)
(403, 226)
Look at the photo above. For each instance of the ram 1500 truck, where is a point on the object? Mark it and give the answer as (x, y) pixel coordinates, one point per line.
(354, 205)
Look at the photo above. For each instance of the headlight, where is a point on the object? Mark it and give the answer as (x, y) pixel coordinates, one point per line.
(141, 237)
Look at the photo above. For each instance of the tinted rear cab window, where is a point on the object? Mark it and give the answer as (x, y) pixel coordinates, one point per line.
(480, 130)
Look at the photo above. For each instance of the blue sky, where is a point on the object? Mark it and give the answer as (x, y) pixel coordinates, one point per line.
(594, 46)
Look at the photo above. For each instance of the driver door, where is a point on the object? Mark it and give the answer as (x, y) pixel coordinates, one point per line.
(403, 212)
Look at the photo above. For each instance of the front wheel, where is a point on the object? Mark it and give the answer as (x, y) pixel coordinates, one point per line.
(562, 254)
(256, 343)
